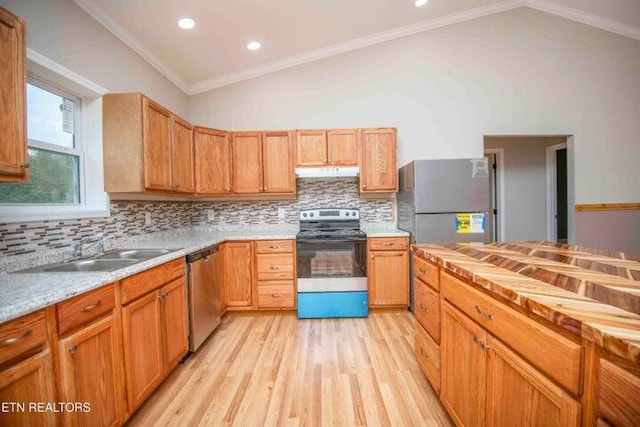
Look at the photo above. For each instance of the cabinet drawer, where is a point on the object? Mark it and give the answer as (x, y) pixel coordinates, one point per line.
(618, 395)
(274, 266)
(139, 284)
(276, 294)
(273, 246)
(428, 357)
(388, 243)
(427, 308)
(22, 334)
(426, 272)
(84, 308)
(555, 355)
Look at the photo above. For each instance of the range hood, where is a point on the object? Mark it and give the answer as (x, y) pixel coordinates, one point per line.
(328, 172)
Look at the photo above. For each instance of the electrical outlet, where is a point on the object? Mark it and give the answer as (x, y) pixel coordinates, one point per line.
(281, 213)
(210, 215)
(147, 219)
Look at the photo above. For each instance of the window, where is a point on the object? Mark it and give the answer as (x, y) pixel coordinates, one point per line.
(55, 151)
(64, 130)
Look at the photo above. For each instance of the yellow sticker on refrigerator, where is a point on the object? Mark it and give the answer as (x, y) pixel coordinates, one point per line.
(470, 223)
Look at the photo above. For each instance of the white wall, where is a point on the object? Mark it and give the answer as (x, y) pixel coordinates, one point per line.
(64, 33)
(525, 192)
(521, 72)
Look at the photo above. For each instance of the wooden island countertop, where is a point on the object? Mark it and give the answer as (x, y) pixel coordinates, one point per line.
(592, 293)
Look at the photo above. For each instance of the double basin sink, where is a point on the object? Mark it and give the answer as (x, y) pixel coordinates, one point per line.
(104, 262)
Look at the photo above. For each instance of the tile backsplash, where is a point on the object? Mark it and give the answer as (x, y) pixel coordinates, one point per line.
(128, 217)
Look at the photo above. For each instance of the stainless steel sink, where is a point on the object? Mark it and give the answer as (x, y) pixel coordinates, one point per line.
(88, 265)
(136, 254)
(107, 261)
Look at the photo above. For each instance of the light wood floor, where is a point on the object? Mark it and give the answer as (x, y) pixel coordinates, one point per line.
(281, 371)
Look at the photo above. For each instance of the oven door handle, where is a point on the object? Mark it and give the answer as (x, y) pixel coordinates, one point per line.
(349, 240)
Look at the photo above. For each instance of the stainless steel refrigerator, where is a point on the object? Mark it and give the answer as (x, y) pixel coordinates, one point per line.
(446, 201)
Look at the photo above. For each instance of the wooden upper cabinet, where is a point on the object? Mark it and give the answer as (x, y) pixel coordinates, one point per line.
(311, 148)
(277, 161)
(262, 162)
(13, 77)
(336, 147)
(379, 169)
(182, 156)
(157, 146)
(212, 161)
(342, 147)
(145, 147)
(246, 148)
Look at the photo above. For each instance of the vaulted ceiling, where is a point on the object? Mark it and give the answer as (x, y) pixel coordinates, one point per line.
(293, 32)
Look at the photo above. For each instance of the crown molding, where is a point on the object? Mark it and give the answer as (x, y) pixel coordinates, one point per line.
(577, 15)
(547, 6)
(352, 45)
(123, 35)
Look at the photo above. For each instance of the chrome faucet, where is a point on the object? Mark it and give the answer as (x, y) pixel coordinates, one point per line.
(79, 248)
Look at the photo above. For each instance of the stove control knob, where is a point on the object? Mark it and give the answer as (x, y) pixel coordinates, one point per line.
(304, 214)
(311, 214)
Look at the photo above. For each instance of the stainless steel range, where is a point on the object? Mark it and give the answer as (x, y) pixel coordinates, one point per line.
(331, 257)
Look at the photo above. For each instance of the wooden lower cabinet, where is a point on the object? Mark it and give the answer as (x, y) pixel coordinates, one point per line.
(238, 275)
(388, 272)
(485, 383)
(30, 381)
(155, 339)
(91, 372)
(618, 394)
(275, 274)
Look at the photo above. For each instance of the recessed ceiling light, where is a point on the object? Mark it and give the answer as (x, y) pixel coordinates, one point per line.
(253, 45)
(419, 3)
(186, 23)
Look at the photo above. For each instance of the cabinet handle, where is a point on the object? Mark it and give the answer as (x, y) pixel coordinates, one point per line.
(364, 185)
(274, 247)
(373, 256)
(14, 340)
(423, 270)
(91, 306)
(265, 188)
(425, 309)
(424, 353)
(276, 295)
(477, 340)
(484, 347)
(387, 244)
(24, 165)
(162, 294)
(275, 267)
(73, 349)
(484, 313)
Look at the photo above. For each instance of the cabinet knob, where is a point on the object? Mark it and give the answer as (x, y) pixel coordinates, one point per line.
(73, 349)
(425, 309)
(373, 257)
(274, 247)
(276, 295)
(484, 313)
(275, 267)
(364, 185)
(423, 270)
(15, 340)
(387, 244)
(91, 306)
(424, 353)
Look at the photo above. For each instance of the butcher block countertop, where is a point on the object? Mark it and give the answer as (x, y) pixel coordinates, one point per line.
(593, 293)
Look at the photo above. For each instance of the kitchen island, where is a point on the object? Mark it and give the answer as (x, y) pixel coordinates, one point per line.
(553, 330)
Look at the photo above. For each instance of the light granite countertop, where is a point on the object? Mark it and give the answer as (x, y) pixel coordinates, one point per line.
(23, 293)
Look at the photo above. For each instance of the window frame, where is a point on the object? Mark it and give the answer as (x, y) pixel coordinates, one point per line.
(94, 202)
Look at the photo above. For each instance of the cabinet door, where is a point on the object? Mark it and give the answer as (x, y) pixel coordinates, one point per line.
(142, 339)
(518, 394)
(379, 171)
(157, 146)
(311, 148)
(182, 156)
(13, 77)
(246, 149)
(91, 372)
(277, 159)
(238, 274)
(29, 381)
(213, 161)
(174, 324)
(388, 274)
(463, 368)
(219, 277)
(342, 147)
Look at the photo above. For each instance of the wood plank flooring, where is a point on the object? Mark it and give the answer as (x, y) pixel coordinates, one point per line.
(281, 371)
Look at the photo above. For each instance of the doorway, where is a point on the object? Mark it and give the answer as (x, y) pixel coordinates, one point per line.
(557, 193)
(496, 178)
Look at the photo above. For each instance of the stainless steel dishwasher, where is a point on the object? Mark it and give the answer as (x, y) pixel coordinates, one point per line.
(204, 293)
